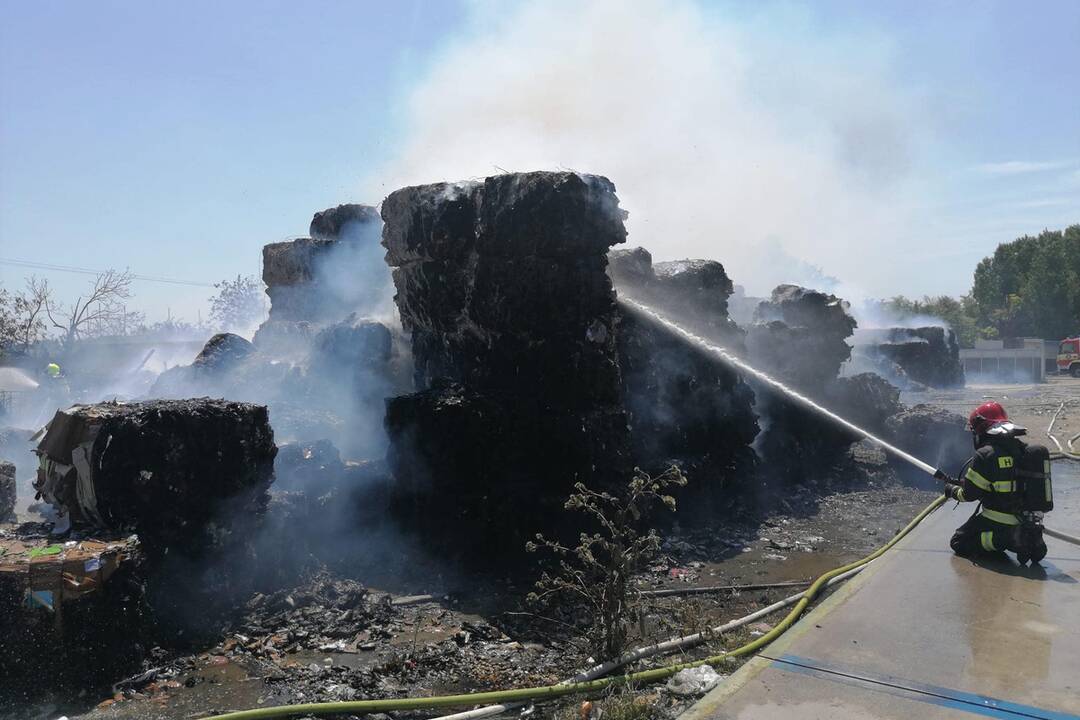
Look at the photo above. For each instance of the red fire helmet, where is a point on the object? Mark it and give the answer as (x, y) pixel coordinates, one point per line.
(986, 415)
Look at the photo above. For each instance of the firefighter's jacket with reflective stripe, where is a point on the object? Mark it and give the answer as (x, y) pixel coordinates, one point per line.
(990, 477)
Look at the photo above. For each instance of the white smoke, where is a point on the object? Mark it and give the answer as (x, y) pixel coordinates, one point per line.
(723, 137)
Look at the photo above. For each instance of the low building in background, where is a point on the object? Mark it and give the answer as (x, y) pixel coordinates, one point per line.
(1021, 360)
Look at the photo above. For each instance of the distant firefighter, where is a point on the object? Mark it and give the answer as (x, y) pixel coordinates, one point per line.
(1011, 481)
(53, 370)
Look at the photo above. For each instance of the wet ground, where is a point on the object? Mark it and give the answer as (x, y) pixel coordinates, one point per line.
(843, 661)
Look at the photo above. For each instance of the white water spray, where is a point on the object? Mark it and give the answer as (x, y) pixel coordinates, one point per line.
(741, 365)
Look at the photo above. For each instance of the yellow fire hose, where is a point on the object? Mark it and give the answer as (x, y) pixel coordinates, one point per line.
(552, 691)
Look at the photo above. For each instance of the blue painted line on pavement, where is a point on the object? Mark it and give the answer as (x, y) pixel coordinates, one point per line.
(932, 694)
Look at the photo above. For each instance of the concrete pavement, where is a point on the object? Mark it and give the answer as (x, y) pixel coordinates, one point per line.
(924, 634)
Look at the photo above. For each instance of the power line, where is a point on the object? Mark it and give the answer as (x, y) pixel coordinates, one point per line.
(87, 271)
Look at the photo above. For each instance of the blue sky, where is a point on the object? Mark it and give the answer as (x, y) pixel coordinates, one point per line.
(177, 139)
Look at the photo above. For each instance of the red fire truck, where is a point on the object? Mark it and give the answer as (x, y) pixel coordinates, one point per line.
(1068, 357)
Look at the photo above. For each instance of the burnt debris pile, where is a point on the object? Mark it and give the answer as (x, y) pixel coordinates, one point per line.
(180, 473)
(326, 613)
(911, 357)
(501, 285)
(684, 408)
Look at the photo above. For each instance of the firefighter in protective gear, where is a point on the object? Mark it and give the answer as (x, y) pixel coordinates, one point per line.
(53, 370)
(990, 478)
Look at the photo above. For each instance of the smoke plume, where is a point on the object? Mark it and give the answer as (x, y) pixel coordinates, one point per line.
(732, 140)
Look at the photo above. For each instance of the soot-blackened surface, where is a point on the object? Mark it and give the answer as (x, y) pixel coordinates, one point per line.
(502, 286)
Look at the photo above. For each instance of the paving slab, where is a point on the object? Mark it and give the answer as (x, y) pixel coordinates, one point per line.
(925, 634)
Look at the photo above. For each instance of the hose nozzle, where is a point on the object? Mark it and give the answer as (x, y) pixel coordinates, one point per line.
(945, 477)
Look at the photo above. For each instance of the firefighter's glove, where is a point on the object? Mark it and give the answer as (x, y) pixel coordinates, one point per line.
(953, 492)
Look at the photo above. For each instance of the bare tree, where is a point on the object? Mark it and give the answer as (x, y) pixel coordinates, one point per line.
(33, 303)
(22, 316)
(9, 324)
(101, 312)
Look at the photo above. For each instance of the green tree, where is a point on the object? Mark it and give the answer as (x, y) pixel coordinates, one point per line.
(239, 304)
(1030, 287)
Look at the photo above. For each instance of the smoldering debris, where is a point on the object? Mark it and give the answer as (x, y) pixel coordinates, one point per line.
(151, 499)
(866, 399)
(502, 288)
(693, 293)
(211, 369)
(312, 467)
(344, 222)
(800, 336)
(683, 407)
(158, 504)
(222, 352)
(329, 354)
(911, 357)
(322, 278)
(937, 436)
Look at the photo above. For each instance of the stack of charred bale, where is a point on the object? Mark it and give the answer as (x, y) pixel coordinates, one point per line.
(684, 407)
(190, 479)
(318, 281)
(800, 337)
(320, 361)
(693, 293)
(323, 291)
(300, 274)
(912, 357)
(501, 285)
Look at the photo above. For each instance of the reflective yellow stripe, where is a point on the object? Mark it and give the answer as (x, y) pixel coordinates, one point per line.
(999, 517)
(979, 481)
(987, 539)
(960, 494)
(1001, 486)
